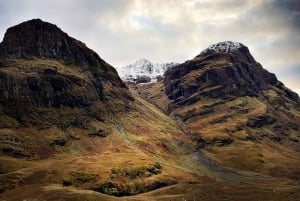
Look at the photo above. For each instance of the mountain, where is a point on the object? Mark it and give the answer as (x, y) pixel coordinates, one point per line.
(234, 109)
(217, 127)
(27, 45)
(144, 71)
(223, 70)
(49, 80)
(68, 120)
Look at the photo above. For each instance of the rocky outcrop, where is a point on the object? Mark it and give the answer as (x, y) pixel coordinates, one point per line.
(261, 121)
(142, 79)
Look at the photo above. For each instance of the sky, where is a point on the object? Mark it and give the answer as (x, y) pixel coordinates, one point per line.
(123, 31)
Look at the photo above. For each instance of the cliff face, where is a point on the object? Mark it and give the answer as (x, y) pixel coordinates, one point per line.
(41, 66)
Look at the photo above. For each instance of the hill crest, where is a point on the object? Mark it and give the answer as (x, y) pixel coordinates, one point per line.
(36, 38)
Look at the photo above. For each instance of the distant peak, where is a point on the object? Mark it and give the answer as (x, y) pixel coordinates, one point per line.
(144, 68)
(225, 46)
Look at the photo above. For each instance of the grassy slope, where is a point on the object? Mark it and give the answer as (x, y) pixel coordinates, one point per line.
(227, 122)
(223, 127)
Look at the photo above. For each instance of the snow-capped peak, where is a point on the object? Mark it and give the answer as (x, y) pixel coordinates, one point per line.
(224, 46)
(145, 69)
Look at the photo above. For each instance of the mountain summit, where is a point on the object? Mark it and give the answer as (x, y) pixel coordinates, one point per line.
(36, 38)
(225, 46)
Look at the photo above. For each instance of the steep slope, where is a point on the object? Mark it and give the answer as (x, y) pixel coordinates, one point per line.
(144, 71)
(234, 109)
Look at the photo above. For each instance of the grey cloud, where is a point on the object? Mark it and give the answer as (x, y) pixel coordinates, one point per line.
(289, 6)
(223, 6)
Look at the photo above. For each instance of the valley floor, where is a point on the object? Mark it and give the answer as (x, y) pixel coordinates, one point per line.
(40, 182)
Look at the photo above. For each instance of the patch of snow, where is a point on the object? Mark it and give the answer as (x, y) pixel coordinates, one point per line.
(143, 67)
(225, 46)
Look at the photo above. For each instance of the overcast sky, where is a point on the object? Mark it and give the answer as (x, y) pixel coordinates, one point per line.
(123, 31)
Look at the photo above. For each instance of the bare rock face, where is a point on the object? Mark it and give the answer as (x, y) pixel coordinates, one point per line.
(41, 66)
(142, 79)
(223, 70)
